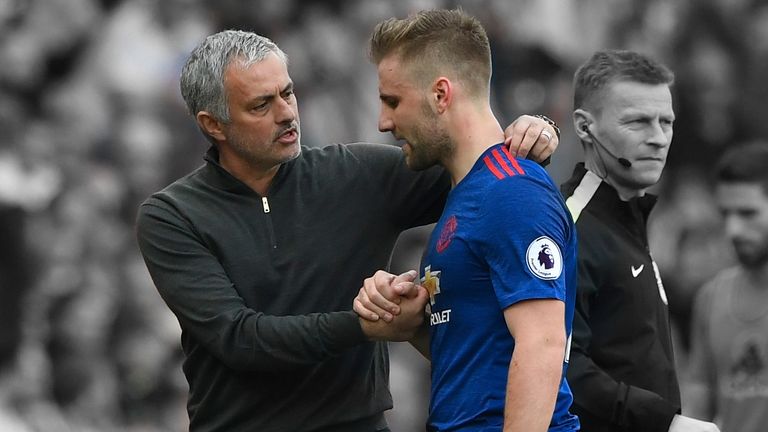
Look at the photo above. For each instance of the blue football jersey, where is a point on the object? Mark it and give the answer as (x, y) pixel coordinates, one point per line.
(505, 236)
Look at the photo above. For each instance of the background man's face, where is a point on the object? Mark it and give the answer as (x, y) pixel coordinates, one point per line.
(744, 207)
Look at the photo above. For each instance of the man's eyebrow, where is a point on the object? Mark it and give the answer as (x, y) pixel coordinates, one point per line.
(262, 98)
(270, 96)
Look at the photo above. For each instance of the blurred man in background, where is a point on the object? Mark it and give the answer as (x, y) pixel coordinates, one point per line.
(729, 358)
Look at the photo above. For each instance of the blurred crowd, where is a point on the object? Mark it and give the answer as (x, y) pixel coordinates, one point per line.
(93, 122)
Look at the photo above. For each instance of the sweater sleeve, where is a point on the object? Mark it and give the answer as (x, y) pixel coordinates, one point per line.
(616, 403)
(411, 198)
(196, 288)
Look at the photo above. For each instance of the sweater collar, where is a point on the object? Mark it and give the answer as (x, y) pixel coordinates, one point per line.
(217, 176)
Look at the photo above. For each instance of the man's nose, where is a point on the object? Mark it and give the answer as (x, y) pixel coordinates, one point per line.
(733, 226)
(659, 136)
(284, 111)
(385, 123)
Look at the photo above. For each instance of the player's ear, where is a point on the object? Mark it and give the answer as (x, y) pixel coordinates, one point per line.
(442, 94)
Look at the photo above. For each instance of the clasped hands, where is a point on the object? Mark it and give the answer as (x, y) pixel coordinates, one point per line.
(391, 307)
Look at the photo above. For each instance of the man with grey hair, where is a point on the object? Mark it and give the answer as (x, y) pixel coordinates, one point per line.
(260, 252)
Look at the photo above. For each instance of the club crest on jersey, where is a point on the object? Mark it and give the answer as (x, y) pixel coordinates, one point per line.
(431, 282)
(544, 258)
(446, 235)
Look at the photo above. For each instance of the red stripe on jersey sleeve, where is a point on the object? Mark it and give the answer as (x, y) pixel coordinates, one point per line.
(502, 162)
(492, 167)
(512, 159)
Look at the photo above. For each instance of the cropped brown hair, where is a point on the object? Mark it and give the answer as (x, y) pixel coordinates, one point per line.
(437, 42)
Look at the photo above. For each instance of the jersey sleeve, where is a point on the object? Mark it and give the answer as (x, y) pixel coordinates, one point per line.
(524, 235)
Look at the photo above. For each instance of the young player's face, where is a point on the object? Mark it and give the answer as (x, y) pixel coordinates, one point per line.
(744, 207)
(407, 114)
(264, 117)
(635, 121)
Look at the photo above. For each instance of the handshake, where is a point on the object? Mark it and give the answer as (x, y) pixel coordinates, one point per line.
(392, 307)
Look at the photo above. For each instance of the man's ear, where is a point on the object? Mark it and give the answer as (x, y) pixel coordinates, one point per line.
(582, 121)
(210, 125)
(442, 94)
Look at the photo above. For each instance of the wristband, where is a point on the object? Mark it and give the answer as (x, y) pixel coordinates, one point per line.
(550, 122)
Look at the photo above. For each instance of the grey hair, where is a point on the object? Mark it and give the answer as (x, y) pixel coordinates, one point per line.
(202, 78)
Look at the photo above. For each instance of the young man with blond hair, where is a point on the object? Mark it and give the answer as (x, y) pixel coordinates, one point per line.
(500, 265)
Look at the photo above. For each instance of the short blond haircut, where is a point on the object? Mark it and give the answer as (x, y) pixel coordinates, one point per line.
(437, 42)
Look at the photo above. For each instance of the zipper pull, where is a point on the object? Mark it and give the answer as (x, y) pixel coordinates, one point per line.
(265, 203)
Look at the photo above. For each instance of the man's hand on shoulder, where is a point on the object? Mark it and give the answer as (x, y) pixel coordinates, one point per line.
(533, 137)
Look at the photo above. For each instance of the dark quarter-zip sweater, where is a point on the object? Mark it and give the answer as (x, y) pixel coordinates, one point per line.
(262, 286)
